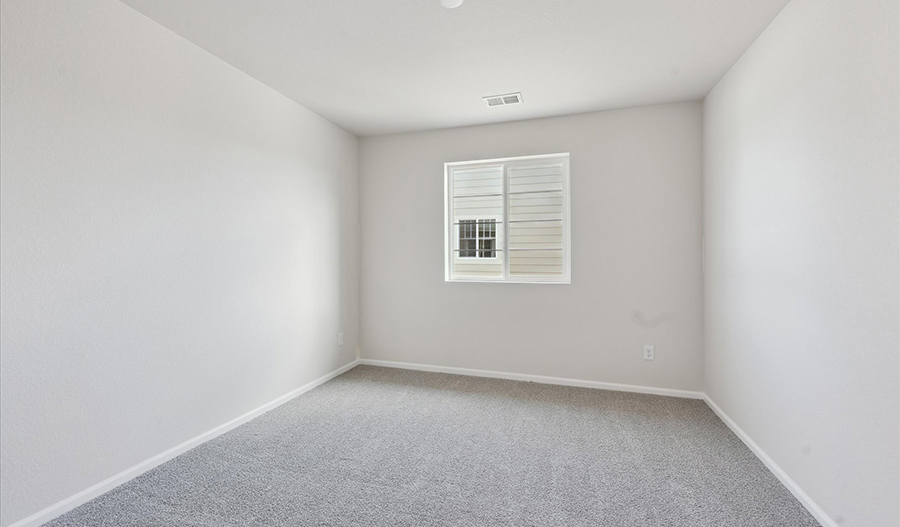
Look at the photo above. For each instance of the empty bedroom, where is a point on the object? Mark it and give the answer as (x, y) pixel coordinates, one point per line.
(439, 263)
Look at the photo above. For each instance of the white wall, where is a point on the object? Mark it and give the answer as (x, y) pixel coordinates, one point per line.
(636, 264)
(179, 245)
(801, 252)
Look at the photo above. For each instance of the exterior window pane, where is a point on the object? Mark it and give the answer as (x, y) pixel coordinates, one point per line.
(487, 238)
(467, 241)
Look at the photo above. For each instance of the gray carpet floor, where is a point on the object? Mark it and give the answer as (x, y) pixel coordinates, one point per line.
(386, 447)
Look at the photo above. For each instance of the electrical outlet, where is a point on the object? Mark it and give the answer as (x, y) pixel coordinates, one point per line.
(648, 352)
(340, 339)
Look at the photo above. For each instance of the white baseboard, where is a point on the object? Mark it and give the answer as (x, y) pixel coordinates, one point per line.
(64, 506)
(542, 379)
(108, 484)
(773, 467)
(791, 485)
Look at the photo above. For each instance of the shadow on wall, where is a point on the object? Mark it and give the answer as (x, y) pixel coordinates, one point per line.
(650, 323)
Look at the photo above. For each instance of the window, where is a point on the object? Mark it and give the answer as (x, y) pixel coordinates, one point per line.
(507, 220)
(477, 238)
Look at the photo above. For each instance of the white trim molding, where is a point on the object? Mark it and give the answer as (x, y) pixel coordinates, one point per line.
(505, 165)
(64, 506)
(542, 379)
(817, 512)
(773, 467)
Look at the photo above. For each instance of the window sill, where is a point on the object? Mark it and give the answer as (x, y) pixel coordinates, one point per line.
(489, 281)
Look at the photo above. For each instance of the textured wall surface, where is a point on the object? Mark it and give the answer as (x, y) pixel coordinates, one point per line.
(636, 259)
(179, 245)
(801, 252)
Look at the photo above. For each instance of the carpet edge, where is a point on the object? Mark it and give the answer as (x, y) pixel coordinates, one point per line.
(541, 379)
(58, 509)
(808, 503)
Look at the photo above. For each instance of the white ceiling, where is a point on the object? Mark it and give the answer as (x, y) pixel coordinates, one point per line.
(384, 66)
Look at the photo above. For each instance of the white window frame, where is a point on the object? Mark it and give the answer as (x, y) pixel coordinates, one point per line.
(450, 230)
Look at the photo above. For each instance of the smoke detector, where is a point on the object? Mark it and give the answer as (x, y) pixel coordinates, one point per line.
(503, 100)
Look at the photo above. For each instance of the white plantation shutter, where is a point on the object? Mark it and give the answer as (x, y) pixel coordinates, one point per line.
(508, 220)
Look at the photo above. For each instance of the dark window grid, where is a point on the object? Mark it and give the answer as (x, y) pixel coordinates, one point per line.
(467, 239)
(477, 238)
(487, 238)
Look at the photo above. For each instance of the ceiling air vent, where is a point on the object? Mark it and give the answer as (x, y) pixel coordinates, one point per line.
(502, 100)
